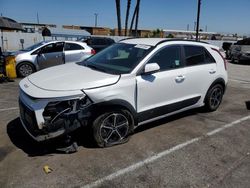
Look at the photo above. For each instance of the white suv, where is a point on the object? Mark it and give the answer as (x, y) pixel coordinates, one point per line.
(128, 84)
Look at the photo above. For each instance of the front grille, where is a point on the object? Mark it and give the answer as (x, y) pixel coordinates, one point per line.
(29, 119)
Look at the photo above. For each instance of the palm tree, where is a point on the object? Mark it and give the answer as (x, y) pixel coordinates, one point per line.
(118, 13)
(136, 13)
(132, 20)
(137, 17)
(127, 16)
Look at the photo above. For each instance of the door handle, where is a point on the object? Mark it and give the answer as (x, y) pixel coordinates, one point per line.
(179, 78)
(212, 71)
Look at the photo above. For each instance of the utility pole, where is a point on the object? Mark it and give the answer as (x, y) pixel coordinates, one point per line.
(198, 20)
(96, 16)
(187, 27)
(37, 17)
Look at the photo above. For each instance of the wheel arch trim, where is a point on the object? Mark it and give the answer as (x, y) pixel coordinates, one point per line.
(98, 108)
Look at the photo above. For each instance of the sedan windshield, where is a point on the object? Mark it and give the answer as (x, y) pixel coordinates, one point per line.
(33, 46)
(120, 58)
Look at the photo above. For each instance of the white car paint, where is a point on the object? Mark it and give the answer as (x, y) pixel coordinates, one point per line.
(61, 80)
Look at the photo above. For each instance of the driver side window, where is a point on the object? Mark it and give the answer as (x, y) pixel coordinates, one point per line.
(167, 58)
(53, 47)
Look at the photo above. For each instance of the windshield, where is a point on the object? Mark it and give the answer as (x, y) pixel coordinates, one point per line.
(119, 58)
(33, 46)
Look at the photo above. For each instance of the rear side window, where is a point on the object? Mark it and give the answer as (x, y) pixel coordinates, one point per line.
(197, 55)
(72, 46)
(167, 58)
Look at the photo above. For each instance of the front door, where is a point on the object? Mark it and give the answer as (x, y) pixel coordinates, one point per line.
(50, 55)
(164, 91)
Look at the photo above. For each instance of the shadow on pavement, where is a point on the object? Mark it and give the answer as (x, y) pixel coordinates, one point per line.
(82, 136)
(20, 138)
(168, 119)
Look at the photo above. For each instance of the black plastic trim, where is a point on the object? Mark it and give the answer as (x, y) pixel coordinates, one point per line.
(217, 81)
(152, 113)
(98, 108)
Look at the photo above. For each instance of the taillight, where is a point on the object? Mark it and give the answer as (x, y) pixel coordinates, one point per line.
(225, 61)
(92, 51)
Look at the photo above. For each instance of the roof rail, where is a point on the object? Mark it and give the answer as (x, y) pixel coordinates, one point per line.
(128, 38)
(170, 40)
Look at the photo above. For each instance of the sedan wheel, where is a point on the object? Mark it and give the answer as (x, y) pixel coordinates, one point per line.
(25, 69)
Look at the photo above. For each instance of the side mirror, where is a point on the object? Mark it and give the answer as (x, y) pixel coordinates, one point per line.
(151, 68)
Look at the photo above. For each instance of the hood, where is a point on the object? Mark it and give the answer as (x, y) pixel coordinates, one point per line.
(71, 76)
(18, 52)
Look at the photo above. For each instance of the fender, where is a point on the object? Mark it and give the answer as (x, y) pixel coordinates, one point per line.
(98, 108)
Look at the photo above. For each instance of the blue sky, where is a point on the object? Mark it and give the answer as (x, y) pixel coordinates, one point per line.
(227, 16)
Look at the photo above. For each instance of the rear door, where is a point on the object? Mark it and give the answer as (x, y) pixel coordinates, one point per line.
(200, 68)
(74, 52)
(50, 55)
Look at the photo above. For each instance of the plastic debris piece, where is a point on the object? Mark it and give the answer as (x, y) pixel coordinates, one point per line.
(47, 169)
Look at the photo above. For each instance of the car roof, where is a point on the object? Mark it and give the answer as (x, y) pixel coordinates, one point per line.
(156, 41)
(70, 41)
(145, 41)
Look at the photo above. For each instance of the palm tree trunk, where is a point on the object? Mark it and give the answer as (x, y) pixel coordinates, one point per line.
(133, 19)
(127, 16)
(118, 13)
(137, 17)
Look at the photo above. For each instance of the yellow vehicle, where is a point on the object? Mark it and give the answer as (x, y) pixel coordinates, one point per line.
(10, 67)
(7, 68)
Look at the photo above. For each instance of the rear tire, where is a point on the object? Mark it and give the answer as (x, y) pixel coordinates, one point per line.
(25, 69)
(112, 128)
(214, 97)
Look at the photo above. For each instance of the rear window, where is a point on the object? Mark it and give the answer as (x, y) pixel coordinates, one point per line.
(197, 55)
(72, 46)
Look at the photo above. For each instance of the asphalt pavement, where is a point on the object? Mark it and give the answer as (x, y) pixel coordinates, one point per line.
(192, 149)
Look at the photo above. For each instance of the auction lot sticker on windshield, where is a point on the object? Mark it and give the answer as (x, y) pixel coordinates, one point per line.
(142, 46)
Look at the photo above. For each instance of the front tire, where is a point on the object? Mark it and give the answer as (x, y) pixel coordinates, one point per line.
(25, 69)
(113, 128)
(214, 97)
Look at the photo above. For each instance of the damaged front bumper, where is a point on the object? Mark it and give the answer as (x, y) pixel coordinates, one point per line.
(44, 119)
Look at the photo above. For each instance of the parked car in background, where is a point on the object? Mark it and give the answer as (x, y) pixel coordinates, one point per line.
(50, 53)
(240, 51)
(226, 46)
(97, 43)
(128, 84)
